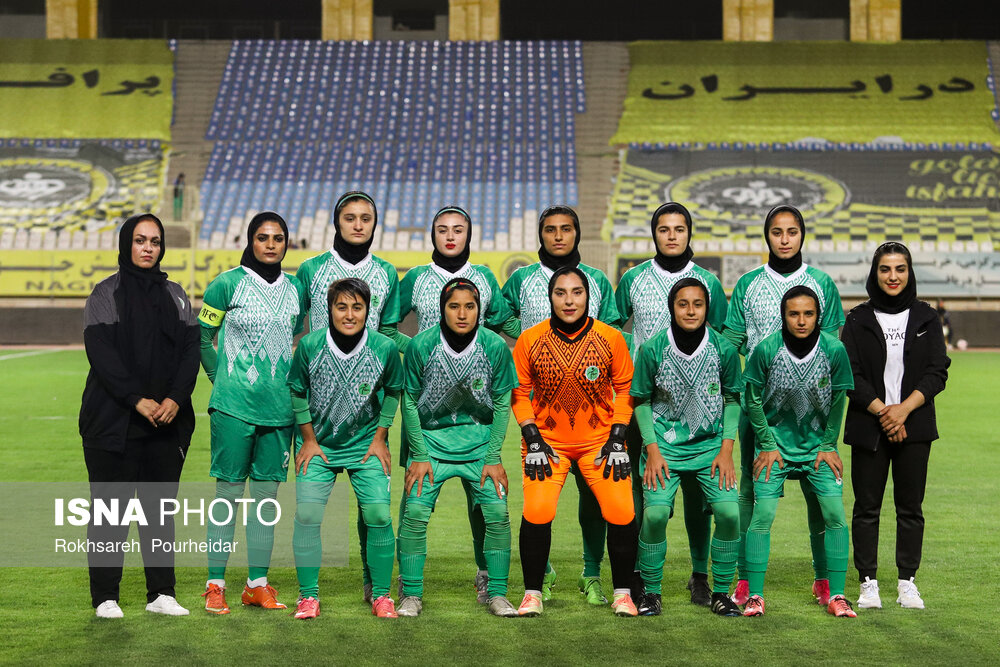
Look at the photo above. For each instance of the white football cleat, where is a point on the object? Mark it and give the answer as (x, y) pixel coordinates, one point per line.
(167, 605)
(909, 596)
(108, 609)
(869, 599)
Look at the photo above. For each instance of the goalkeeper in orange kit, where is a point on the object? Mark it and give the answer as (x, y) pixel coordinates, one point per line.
(573, 404)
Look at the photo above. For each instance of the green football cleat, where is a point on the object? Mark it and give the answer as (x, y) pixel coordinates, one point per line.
(591, 587)
(548, 583)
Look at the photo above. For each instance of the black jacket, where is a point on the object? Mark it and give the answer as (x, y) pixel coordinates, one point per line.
(925, 368)
(112, 390)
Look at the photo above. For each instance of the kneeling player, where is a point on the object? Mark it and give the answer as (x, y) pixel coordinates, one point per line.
(456, 404)
(345, 382)
(579, 370)
(796, 385)
(687, 385)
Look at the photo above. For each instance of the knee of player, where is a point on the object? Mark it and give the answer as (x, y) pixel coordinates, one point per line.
(539, 513)
(416, 513)
(376, 514)
(764, 511)
(727, 516)
(309, 514)
(495, 513)
(656, 516)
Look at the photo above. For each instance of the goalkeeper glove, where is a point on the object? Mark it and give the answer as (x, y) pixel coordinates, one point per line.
(537, 460)
(615, 454)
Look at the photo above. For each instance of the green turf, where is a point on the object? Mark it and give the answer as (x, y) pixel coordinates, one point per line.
(45, 613)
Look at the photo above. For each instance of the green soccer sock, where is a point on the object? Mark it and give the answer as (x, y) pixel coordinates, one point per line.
(366, 575)
(380, 547)
(222, 535)
(260, 537)
(399, 528)
(758, 543)
(698, 525)
(413, 548)
(725, 545)
(746, 515)
(307, 547)
(477, 524)
(837, 544)
(653, 546)
(593, 527)
(497, 547)
(817, 528)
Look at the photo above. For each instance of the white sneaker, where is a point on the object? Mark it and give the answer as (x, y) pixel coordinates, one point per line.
(909, 596)
(165, 604)
(109, 609)
(869, 599)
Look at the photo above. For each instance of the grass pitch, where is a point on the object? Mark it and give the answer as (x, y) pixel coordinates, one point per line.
(45, 613)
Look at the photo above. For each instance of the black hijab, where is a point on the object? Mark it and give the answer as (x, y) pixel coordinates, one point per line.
(672, 264)
(569, 328)
(544, 256)
(792, 264)
(878, 298)
(350, 253)
(455, 340)
(358, 288)
(686, 341)
(149, 320)
(452, 264)
(269, 272)
(799, 347)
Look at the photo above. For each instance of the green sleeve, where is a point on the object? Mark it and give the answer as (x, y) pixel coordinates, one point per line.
(644, 375)
(512, 292)
(390, 311)
(499, 311)
(304, 274)
(833, 316)
(300, 320)
(498, 430)
(731, 417)
(623, 298)
(607, 312)
(644, 417)
(718, 308)
(415, 436)
(735, 329)
(390, 401)
(512, 327)
(300, 406)
(758, 420)
(406, 293)
(209, 355)
(731, 374)
(833, 421)
(841, 374)
(391, 331)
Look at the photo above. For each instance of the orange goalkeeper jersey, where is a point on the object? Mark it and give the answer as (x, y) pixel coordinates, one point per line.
(580, 384)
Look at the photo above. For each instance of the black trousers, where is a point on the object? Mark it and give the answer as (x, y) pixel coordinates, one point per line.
(151, 468)
(869, 473)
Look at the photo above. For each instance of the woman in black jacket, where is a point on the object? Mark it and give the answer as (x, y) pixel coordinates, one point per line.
(136, 419)
(897, 352)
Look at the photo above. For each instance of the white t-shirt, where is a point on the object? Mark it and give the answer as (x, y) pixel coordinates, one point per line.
(894, 330)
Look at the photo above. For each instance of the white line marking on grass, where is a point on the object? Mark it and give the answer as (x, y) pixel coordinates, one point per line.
(32, 353)
(51, 418)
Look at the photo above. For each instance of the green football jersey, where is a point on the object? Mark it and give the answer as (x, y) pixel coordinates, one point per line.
(687, 395)
(642, 295)
(345, 391)
(257, 321)
(755, 308)
(420, 290)
(454, 392)
(317, 273)
(527, 293)
(797, 393)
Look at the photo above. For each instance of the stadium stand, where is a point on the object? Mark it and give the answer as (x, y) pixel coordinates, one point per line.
(490, 125)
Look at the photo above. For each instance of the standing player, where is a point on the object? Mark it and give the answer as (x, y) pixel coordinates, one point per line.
(754, 314)
(355, 218)
(796, 388)
(345, 382)
(687, 384)
(458, 380)
(420, 290)
(572, 404)
(256, 310)
(527, 292)
(642, 295)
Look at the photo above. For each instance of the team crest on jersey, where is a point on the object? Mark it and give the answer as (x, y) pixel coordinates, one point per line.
(364, 388)
(823, 381)
(375, 301)
(592, 373)
(478, 384)
(713, 388)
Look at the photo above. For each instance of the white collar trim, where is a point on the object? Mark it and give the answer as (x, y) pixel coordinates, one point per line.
(663, 272)
(464, 353)
(446, 274)
(676, 350)
(256, 276)
(791, 276)
(347, 265)
(337, 351)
